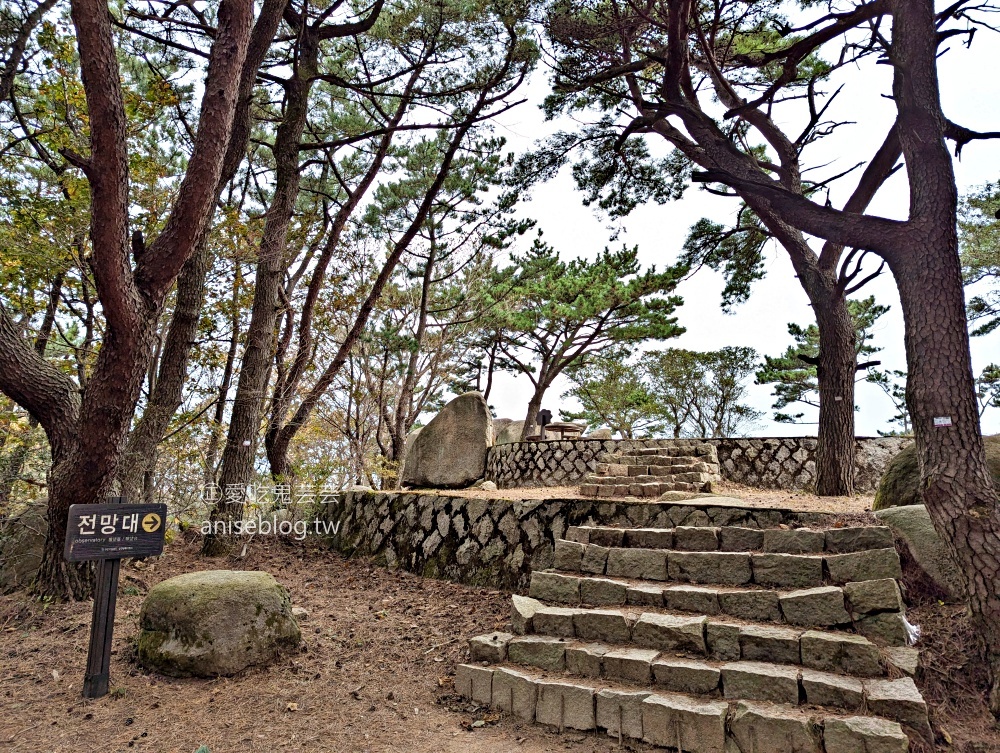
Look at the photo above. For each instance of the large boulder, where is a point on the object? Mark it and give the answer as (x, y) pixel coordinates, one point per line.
(450, 452)
(509, 433)
(22, 538)
(900, 484)
(215, 622)
(923, 549)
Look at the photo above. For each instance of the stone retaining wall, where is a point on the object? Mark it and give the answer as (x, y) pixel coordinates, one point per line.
(499, 542)
(770, 463)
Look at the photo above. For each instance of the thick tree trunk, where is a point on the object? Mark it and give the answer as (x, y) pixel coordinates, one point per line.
(835, 462)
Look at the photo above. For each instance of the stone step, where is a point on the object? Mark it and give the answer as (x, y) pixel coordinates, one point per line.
(674, 720)
(845, 540)
(661, 475)
(713, 637)
(618, 470)
(724, 568)
(668, 460)
(740, 680)
(693, 449)
(638, 486)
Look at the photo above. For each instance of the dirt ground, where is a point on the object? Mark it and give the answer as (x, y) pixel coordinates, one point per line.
(375, 673)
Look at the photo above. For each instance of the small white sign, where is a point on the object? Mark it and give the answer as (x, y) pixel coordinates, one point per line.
(942, 421)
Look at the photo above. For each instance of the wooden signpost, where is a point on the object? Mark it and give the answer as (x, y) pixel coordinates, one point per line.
(108, 533)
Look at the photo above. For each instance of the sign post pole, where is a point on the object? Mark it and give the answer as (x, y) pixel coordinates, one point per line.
(107, 533)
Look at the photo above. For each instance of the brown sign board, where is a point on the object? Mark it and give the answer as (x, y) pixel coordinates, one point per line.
(114, 531)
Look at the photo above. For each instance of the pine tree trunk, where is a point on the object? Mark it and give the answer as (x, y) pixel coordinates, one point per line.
(835, 463)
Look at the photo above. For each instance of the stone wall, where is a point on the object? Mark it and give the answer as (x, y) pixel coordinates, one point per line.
(771, 463)
(497, 543)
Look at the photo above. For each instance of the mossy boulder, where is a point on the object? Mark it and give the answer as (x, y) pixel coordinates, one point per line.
(900, 484)
(22, 539)
(215, 622)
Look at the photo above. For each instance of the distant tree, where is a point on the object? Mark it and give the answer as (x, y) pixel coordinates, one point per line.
(979, 244)
(701, 393)
(557, 313)
(794, 372)
(893, 384)
(613, 394)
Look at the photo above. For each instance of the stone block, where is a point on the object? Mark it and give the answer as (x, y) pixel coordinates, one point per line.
(647, 595)
(755, 606)
(867, 596)
(734, 539)
(667, 632)
(787, 570)
(723, 568)
(723, 641)
(603, 625)
(617, 469)
(642, 564)
(686, 675)
(650, 538)
(757, 729)
(815, 607)
(594, 559)
(832, 652)
(568, 555)
(542, 651)
(556, 621)
(863, 734)
(522, 611)
(769, 644)
(885, 629)
(491, 647)
(897, 699)
(475, 683)
(563, 705)
(858, 538)
(607, 537)
(871, 564)
(696, 538)
(629, 664)
(692, 599)
(515, 693)
(620, 712)
(585, 660)
(794, 540)
(836, 691)
(562, 589)
(760, 681)
(903, 658)
(603, 592)
(685, 724)
(579, 534)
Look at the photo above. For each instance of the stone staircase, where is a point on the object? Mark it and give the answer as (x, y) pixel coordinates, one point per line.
(652, 471)
(712, 640)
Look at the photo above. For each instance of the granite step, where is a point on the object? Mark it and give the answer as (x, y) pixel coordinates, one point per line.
(630, 487)
(694, 724)
(845, 540)
(668, 460)
(728, 568)
(714, 637)
(737, 680)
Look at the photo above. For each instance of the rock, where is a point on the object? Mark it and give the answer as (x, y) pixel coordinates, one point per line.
(769, 644)
(488, 486)
(669, 632)
(585, 660)
(735, 539)
(300, 613)
(696, 538)
(630, 664)
(691, 599)
(568, 555)
(897, 699)
(679, 722)
(885, 629)
(686, 675)
(723, 568)
(450, 452)
(856, 538)
(22, 539)
(869, 596)
(522, 612)
(562, 589)
(757, 729)
(563, 704)
(903, 658)
(509, 433)
(794, 541)
(620, 711)
(499, 424)
(599, 434)
(815, 607)
(645, 594)
(756, 606)
(759, 681)
(826, 689)
(832, 652)
(911, 525)
(474, 682)
(542, 651)
(514, 693)
(215, 622)
(595, 559)
(871, 564)
(864, 733)
(787, 570)
(642, 564)
(491, 648)
(606, 626)
(723, 641)
(602, 592)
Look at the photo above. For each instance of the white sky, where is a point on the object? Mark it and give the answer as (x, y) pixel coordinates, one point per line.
(659, 231)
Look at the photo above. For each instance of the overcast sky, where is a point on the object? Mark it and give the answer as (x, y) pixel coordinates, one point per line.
(970, 98)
